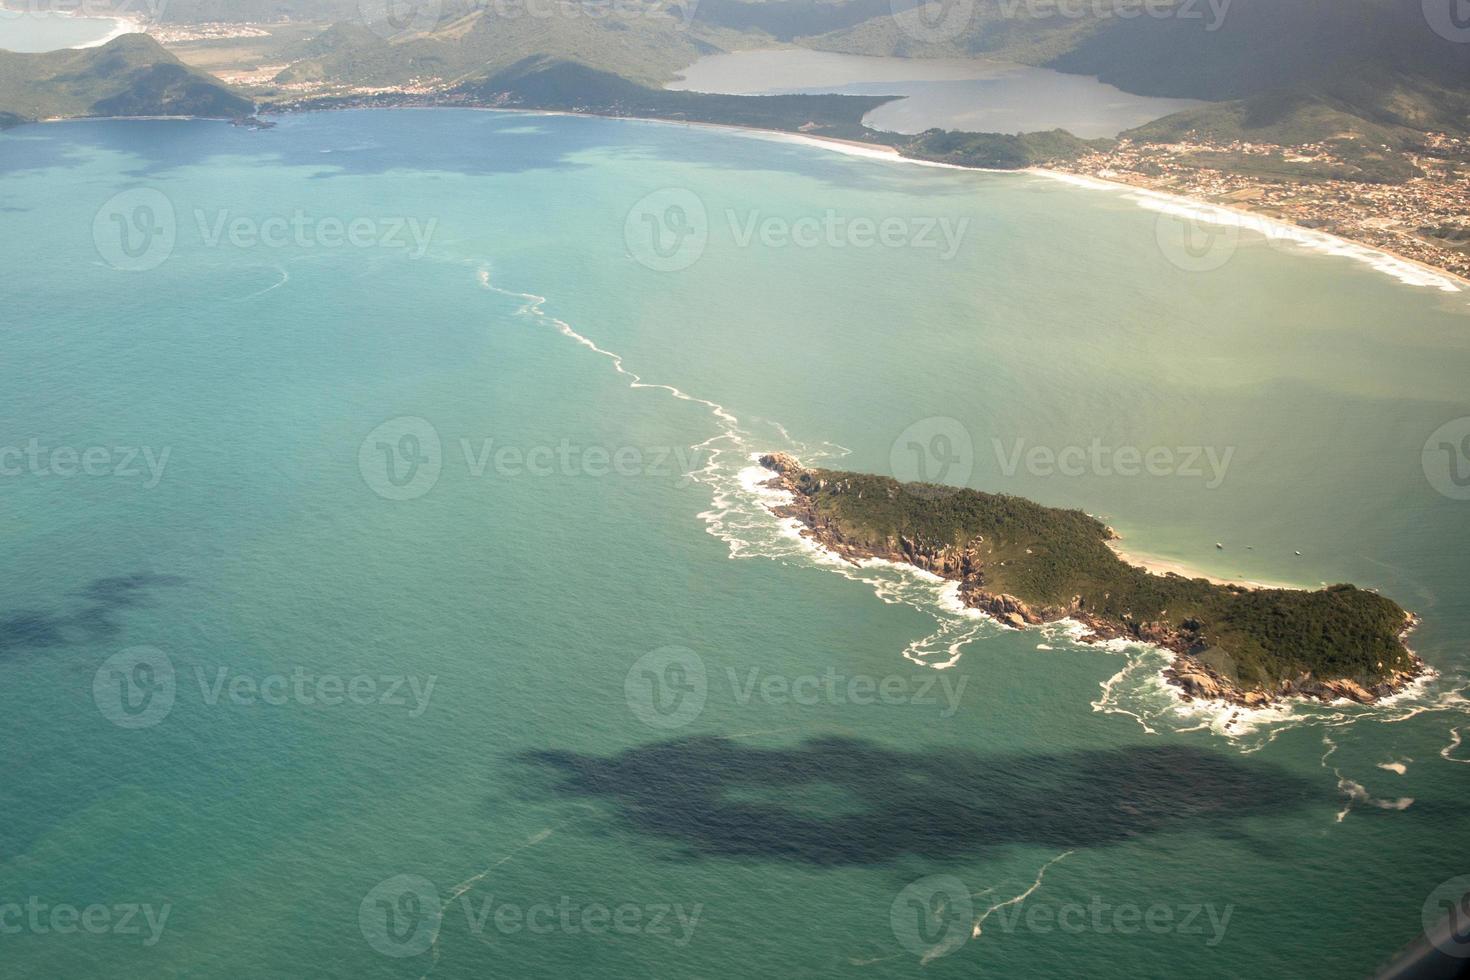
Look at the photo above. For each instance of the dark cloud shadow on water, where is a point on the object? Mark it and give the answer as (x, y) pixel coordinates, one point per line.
(94, 618)
(845, 801)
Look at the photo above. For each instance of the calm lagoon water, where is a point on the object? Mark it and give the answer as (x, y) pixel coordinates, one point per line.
(971, 95)
(40, 30)
(418, 643)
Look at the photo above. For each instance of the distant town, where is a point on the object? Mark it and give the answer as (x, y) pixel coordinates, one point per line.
(1426, 218)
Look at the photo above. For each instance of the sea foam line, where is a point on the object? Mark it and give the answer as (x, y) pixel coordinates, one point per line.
(740, 515)
(976, 930)
(1355, 791)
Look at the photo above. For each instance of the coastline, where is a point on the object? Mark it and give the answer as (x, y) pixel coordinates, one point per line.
(1408, 271)
(1168, 566)
(1188, 677)
(121, 25)
(1272, 228)
(1263, 224)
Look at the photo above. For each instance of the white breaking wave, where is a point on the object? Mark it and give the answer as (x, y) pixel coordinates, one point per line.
(739, 515)
(1448, 752)
(1274, 231)
(1356, 792)
(1017, 899)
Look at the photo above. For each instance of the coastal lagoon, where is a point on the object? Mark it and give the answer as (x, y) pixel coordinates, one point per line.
(388, 591)
(974, 95)
(32, 31)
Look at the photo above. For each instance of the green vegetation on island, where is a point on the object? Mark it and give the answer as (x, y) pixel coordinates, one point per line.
(1028, 564)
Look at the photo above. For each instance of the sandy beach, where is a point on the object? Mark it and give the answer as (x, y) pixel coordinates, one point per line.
(1407, 270)
(1167, 566)
(120, 24)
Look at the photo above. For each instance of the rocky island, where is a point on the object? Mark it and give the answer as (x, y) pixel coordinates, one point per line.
(1025, 565)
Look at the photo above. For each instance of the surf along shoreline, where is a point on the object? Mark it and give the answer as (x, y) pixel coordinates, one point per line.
(1188, 676)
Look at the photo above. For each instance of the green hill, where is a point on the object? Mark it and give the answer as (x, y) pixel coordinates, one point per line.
(130, 76)
(1373, 106)
(554, 84)
(649, 47)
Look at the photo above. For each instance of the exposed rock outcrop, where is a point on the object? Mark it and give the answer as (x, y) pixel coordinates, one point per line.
(1195, 678)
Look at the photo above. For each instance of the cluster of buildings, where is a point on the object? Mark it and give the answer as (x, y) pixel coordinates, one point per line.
(1425, 218)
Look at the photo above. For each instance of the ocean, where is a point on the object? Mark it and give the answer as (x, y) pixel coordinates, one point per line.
(388, 589)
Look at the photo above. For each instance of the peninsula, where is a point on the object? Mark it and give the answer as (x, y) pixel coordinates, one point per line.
(1025, 564)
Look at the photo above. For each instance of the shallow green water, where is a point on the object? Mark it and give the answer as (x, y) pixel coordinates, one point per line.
(565, 756)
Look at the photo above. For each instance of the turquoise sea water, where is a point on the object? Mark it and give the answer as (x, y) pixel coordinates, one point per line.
(590, 697)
